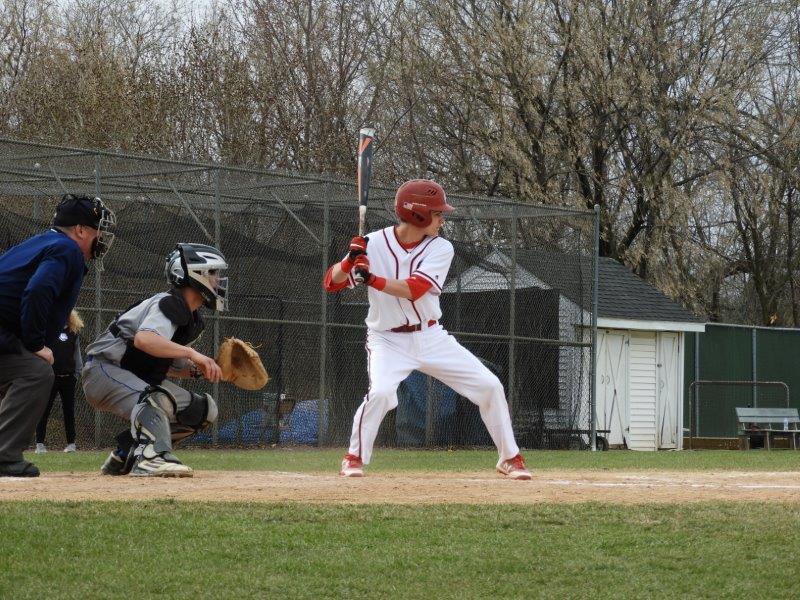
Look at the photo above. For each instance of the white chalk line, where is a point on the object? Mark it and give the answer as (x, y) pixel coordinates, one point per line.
(632, 481)
(671, 484)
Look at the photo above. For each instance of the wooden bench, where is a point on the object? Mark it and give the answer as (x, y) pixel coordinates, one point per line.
(556, 437)
(768, 423)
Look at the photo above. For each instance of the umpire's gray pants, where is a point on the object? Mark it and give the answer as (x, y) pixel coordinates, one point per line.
(110, 388)
(25, 384)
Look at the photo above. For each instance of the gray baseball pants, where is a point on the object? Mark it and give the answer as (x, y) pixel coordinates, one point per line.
(111, 389)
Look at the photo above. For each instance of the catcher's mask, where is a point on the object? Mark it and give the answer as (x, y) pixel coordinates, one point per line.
(203, 268)
(91, 212)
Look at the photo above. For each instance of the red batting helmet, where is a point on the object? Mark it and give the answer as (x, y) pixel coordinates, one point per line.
(416, 199)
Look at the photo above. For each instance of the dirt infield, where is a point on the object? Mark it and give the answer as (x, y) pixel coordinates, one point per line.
(626, 487)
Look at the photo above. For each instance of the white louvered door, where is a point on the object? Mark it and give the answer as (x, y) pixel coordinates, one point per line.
(612, 385)
(668, 358)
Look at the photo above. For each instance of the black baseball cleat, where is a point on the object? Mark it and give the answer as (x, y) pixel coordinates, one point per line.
(19, 468)
(116, 465)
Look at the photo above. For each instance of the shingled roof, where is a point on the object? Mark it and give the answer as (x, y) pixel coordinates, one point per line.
(621, 294)
(624, 295)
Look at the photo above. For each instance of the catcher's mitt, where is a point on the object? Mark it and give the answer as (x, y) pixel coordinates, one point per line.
(241, 365)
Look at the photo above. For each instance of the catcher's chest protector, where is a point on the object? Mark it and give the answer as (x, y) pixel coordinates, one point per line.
(153, 369)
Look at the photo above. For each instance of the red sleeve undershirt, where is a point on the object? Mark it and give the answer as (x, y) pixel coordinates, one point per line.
(418, 287)
(416, 284)
(329, 285)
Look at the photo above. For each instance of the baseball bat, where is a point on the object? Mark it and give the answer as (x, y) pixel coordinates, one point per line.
(366, 148)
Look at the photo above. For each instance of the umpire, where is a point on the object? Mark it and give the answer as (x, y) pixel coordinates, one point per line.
(39, 284)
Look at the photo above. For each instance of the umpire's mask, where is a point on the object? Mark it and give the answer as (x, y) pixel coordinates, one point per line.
(91, 212)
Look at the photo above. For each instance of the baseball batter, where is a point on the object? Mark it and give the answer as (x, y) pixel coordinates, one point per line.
(405, 271)
(127, 366)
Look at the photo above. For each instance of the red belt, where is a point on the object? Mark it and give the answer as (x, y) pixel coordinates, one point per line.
(411, 328)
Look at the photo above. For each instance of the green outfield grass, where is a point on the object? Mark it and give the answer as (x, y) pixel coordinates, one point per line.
(312, 460)
(167, 549)
(170, 549)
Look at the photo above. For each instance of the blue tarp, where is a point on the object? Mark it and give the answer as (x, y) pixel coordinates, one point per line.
(255, 427)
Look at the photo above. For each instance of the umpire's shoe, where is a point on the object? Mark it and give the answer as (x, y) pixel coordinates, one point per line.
(117, 465)
(162, 465)
(18, 468)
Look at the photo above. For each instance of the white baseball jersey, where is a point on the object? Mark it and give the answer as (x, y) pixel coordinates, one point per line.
(430, 259)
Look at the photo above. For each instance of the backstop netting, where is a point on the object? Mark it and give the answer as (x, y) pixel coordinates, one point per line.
(518, 295)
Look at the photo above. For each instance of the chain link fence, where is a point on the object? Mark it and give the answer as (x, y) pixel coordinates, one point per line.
(713, 404)
(519, 295)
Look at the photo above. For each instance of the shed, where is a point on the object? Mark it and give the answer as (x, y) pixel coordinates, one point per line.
(640, 344)
(640, 357)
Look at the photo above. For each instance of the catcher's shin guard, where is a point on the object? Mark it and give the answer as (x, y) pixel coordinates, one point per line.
(151, 418)
(200, 413)
(151, 421)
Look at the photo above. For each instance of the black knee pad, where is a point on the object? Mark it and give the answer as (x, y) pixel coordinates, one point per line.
(201, 412)
(125, 440)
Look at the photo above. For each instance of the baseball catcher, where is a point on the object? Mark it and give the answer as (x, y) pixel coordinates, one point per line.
(127, 366)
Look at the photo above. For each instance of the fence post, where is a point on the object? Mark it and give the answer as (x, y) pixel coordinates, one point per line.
(696, 356)
(218, 242)
(692, 422)
(429, 411)
(322, 408)
(98, 299)
(595, 303)
(753, 358)
(696, 378)
(512, 313)
(458, 301)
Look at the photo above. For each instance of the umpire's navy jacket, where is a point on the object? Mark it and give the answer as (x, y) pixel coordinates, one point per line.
(39, 284)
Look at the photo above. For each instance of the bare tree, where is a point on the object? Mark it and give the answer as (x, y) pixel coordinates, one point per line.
(679, 118)
(25, 27)
(317, 67)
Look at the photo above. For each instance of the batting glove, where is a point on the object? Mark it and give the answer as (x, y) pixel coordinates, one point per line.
(358, 247)
(361, 266)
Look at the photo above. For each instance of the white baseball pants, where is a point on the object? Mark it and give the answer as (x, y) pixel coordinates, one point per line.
(390, 359)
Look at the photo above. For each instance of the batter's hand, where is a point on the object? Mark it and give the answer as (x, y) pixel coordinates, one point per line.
(358, 247)
(361, 267)
(46, 355)
(207, 365)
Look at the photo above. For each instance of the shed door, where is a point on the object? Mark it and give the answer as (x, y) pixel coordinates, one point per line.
(612, 385)
(668, 356)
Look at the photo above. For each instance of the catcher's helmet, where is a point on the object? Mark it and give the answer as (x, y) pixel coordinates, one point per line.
(416, 199)
(192, 264)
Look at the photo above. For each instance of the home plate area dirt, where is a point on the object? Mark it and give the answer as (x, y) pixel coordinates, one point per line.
(627, 487)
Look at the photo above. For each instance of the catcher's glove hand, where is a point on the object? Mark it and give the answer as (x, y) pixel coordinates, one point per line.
(241, 365)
